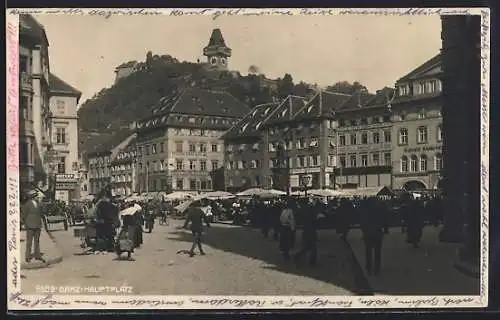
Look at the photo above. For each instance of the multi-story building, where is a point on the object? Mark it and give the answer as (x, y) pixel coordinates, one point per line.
(34, 111)
(417, 128)
(179, 147)
(364, 141)
(300, 140)
(244, 150)
(100, 159)
(83, 176)
(64, 101)
(123, 170)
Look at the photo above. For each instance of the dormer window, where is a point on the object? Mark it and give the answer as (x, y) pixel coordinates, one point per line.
(266, 111)
(421, 114)
(433, 86)
(283, 113)
(421, 88)
(309, 109)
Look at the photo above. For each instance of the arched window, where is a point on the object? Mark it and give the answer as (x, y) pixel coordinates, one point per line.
(403, 136)
(413, 163)
(438, 161)
(404, 164)
(423, 162)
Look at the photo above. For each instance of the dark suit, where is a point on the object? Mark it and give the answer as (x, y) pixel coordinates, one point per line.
(196, 216)
(32, 217)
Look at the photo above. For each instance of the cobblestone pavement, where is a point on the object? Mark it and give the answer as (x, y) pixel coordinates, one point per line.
(238, 261)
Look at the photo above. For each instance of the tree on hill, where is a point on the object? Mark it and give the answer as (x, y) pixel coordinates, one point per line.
(347, 87)
(285, 86)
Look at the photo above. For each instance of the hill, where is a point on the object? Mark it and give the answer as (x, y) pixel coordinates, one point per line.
(114, 109)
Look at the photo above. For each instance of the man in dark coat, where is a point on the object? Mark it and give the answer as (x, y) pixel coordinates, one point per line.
(196, 216)
(374, 226)
(309, 238)
(31, 215)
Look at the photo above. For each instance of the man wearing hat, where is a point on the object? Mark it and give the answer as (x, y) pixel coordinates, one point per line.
(31, 213)
(196, 216)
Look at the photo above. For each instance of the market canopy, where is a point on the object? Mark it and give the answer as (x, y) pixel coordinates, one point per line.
(367, 192)
(325, 193)
(178, 195)
(214, 195)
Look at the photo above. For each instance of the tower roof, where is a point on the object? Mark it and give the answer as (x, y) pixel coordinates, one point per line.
(216, 39)
(217, 45)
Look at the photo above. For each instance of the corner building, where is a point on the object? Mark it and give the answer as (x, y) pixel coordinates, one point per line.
(180, 146)
(417, 128)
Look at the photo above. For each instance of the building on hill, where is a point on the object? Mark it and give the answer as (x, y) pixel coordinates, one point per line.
(417, 128)
(125, 69)
(217, 52)
(244, 150)
(64, 101)
(34, 110)
(101, 157)
(123, 170)
(179, 147)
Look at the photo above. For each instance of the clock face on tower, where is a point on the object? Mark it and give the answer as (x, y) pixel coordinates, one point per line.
(213, 60)
(223, 61)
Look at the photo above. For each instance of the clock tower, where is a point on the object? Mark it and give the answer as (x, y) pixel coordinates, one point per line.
(216, 51)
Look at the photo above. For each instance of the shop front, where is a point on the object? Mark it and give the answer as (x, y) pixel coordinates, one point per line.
(66, 187)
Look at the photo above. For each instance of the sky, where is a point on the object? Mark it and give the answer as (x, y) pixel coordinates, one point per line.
(374, 50)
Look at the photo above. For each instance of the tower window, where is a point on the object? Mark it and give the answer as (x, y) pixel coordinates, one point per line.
(213, 60)
(223, 61)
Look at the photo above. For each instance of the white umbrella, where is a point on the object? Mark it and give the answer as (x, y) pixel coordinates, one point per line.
(129, 211)
(271, 193)
(324, 193)
(178, 195)
(217, 195)
(183, 206)
(251, 192)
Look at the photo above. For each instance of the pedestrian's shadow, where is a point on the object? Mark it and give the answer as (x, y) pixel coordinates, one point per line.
(251, 243)
(121, 258)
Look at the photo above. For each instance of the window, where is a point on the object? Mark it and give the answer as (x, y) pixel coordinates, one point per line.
(192, 165)
(421, 88)
(179, 164)
(421, 114)
(421, 134)
(364, 160)
(153, 148)
(363, 121)
(423, 162)
(215, 165)
(375, 159)
(352, 159)
(192, 147)
(387, 159)
(301, 161)
(203, 148)
(353, 139)
(257, 164)
(178, 146)
(315, 160)
(376, 137)
(404, 90)
(162, 146)
(23, 112)
(433, 86)
(180, 184)
(192, 184)
(341, 123)
(231, 164)
(61, 165)
(413, 163)
(302, 143)
(364, 138)
(23, 64)
(146, 149)
(439, 133)
(342, 140)
(215, 148)
(387, 136)
(342, 161)
(403, 136)
(404, 164)
(60, 135)
(438, 162)
(203, 165)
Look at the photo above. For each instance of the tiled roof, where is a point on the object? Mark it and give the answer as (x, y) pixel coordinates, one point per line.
(252, 122)
(286, 110)
(28, 26)
(356, 101)
(431, 63)
(58, 85)
(114, 139)
(216, 39)
(322, 104)
(196, 102)
(383, 97)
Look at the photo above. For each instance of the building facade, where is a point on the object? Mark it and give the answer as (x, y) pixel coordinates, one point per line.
(123, 170)
(64, 101)
(418, 128)
(83, 176)
(34, 111)
(179, 147)
(244, 150)
(364, 141)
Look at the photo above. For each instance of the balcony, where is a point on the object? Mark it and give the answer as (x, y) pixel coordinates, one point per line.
(26, 81)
